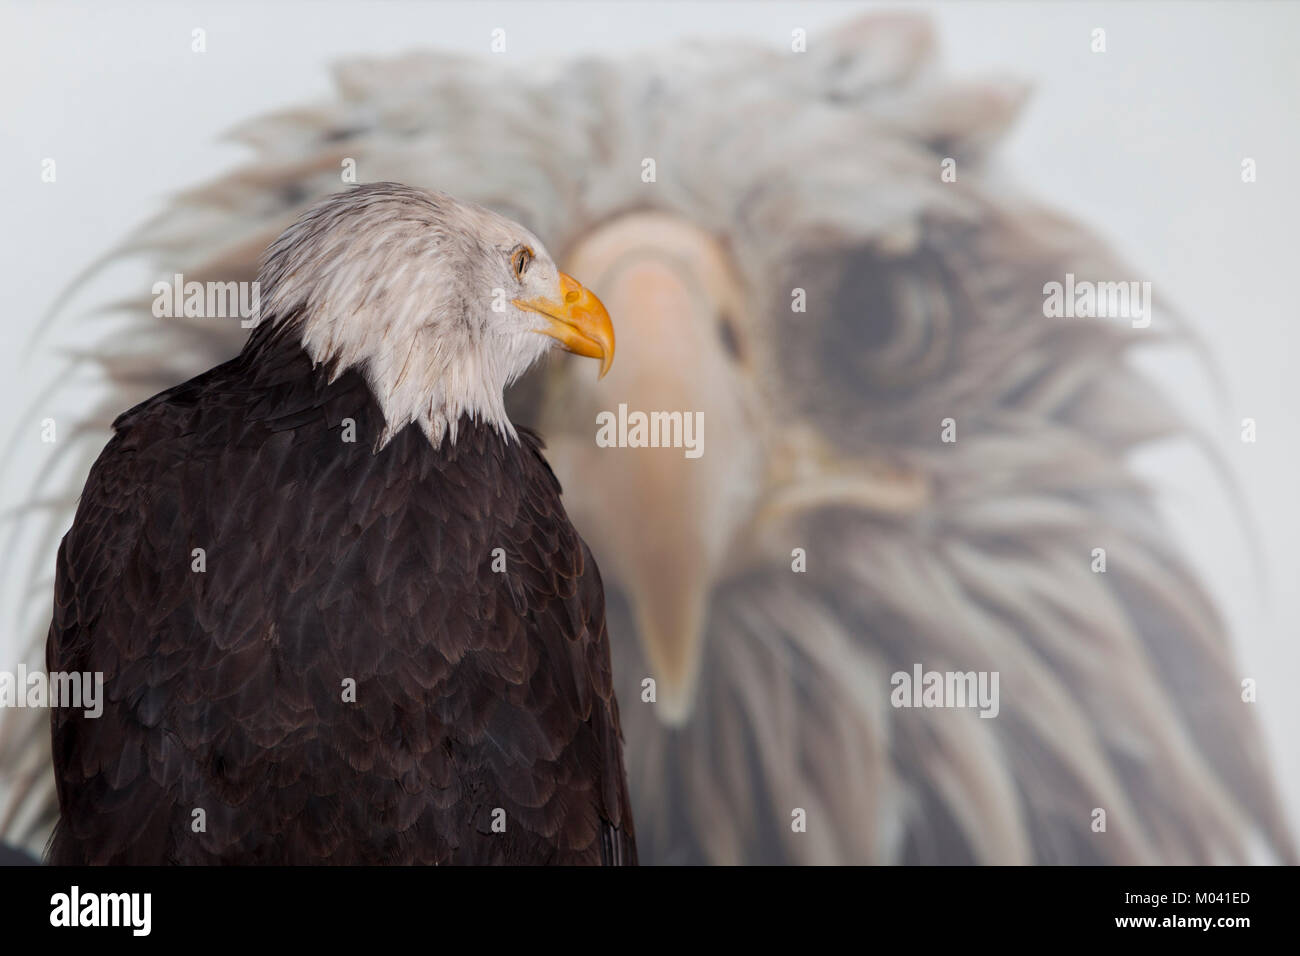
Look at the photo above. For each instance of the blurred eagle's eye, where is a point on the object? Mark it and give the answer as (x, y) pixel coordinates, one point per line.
(891, 322)
(729, 336)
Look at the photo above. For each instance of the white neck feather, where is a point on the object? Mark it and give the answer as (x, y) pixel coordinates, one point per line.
(415, 375)
(385, 281)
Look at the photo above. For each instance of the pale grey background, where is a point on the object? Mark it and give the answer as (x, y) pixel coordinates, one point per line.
(1144, 142)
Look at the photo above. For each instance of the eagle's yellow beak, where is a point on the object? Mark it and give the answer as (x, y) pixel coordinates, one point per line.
(578, 321)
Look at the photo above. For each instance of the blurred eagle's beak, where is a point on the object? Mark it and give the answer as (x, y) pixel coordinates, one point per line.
(660, 521)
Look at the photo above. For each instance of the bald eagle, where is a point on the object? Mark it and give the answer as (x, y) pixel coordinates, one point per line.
(388, 650)
(818, 172)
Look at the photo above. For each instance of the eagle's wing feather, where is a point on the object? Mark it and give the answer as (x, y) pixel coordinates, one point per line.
(483, 726)
(108, 603)
(581, 617)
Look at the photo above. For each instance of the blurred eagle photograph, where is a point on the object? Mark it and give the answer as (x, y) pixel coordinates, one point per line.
(364, 587)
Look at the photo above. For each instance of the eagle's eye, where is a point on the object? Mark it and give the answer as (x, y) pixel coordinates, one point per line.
(893, 320)
(520, 259)
(729, 336)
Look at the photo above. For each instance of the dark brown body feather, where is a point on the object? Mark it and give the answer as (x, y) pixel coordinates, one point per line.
(328, 560)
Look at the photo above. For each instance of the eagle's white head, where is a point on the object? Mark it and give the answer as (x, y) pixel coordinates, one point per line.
(439, 304)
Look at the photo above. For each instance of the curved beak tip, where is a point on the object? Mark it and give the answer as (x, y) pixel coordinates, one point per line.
(577, 319)
(673, 707)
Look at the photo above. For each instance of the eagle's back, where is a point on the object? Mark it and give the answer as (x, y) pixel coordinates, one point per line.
(393, 656)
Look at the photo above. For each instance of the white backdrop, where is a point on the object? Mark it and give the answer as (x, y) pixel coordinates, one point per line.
(1144, 142)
